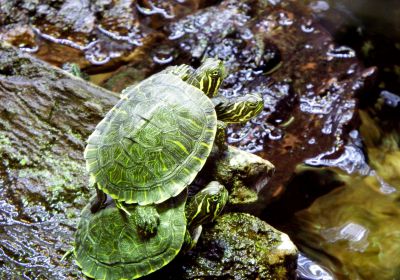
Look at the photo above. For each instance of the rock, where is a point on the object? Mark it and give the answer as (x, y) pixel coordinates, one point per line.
(237, 246)
(46, 115)
(242, 173)
(240, 246)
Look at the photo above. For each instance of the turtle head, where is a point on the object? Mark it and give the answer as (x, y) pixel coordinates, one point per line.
(208, 77)
(207, 204)
(240, 110)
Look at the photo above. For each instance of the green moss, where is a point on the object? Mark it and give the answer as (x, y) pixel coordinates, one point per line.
(240, 246)
(63, 181)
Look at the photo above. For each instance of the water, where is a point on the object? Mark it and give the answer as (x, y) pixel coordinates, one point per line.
(354, 231)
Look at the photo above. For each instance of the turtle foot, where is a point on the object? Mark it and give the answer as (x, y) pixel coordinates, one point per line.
(147, 220)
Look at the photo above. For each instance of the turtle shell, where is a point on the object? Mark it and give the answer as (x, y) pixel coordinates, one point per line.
(153, 142)
(108, 244)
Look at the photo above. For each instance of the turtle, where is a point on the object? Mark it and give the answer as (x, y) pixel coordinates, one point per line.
(151, 145)
(109, 244)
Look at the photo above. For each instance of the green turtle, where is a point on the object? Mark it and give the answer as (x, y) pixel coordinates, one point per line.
(109, 244)
(153, 142)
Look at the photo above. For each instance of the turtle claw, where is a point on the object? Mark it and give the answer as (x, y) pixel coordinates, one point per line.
(122, 207)
(67, 255)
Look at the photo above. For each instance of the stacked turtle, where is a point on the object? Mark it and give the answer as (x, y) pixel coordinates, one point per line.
(142, 157)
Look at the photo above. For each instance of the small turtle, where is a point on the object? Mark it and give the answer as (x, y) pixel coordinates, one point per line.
(153, 142)
(109, 244)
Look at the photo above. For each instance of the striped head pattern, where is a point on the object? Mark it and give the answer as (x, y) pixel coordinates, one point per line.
(206, 205)
(208, 77)
(242, 109)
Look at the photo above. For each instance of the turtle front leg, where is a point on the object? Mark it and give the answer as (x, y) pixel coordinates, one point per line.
(99, 202)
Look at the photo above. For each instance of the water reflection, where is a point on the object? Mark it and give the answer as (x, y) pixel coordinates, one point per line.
(355, 229)
(310, 270)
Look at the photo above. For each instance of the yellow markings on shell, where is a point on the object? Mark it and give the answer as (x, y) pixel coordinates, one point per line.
(205, 145)
(179, 144)
(195, 124)
(97, 173)
(198, 159)
(89, 164)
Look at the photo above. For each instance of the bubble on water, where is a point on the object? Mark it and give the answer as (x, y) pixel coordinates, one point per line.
(312, 141)
(251, 147)
(318, 104)
(307, 27)
(163, 60)
(351, 160)
(275, 134)
(284, 19)
(153, 10)
(327, 128)
(238, 135)
(33, 49)
(319, 6)
(132, 38)
(246, 34)
(176, 34)
(96, 56)
(340, 52)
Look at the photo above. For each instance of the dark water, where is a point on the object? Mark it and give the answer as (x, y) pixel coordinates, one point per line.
(353, 230)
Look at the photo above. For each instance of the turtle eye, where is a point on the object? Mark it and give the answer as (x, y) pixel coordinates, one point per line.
(214, 73)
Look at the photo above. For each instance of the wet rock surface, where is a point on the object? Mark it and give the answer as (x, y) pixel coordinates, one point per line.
(46, 115)
(238, 246)
(244, 174)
